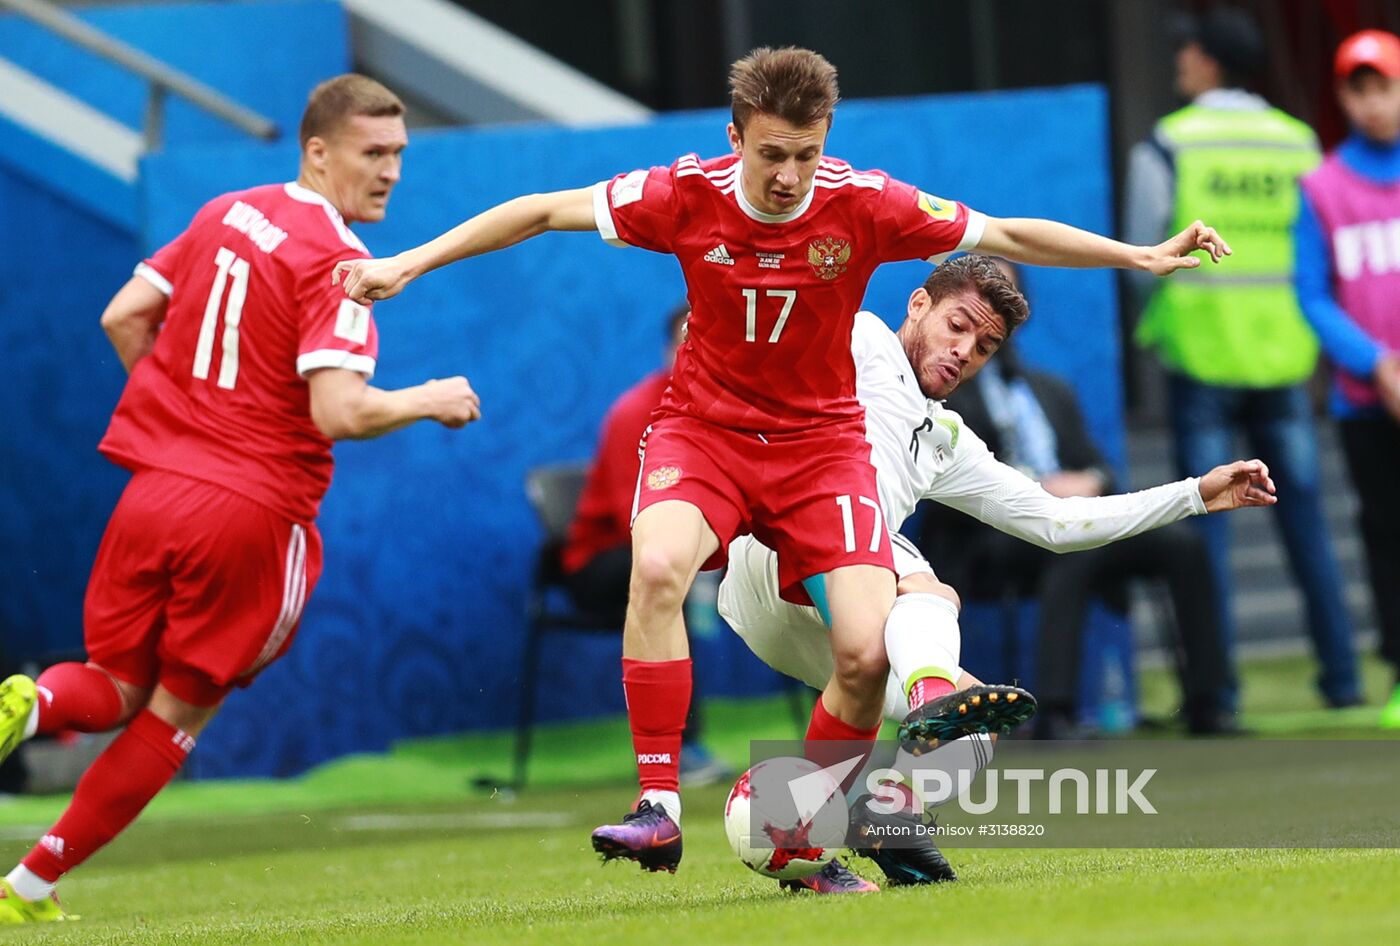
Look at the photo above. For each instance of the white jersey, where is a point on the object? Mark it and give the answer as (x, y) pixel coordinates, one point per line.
(921, 450)
(912, 439)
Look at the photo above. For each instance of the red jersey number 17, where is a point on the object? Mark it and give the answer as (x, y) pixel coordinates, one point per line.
(788, 297)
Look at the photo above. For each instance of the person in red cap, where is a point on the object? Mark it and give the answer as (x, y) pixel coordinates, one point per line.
(1347, 245)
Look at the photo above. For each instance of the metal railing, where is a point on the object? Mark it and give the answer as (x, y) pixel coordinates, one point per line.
(162, 79)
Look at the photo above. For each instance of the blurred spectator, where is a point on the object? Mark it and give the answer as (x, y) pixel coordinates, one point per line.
(1348, 280)
(597, 558)
(1031, 420)
(1235, 345)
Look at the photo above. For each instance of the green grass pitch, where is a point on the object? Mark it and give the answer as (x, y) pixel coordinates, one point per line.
(402, 849)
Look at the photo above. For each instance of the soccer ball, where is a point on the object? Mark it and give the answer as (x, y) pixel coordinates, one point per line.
(770, 836)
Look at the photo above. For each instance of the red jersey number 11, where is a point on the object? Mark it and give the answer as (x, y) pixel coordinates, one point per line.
(228, 265)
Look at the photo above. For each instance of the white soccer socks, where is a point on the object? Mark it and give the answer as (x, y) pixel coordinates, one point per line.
(923, 639)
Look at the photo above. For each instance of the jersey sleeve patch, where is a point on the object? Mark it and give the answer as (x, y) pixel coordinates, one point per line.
(628, 188)
(937, 207)
(352, 322)
(639, 208)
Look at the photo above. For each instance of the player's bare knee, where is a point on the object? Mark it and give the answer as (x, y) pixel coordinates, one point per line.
(187, 717)
(858, 669)
(658, 574)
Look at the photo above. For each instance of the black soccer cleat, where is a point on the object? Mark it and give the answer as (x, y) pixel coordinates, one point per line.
(647, 836)
(900, 846)
(978, 709)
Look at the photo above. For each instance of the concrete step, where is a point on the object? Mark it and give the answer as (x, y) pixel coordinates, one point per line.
(1269, 607)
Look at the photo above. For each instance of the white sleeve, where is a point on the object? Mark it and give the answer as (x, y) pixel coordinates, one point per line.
(153, 276)
(979, 484)
(976, 227)
(602, 214)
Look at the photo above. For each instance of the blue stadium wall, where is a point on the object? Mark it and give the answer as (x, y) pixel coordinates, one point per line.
(417, 625)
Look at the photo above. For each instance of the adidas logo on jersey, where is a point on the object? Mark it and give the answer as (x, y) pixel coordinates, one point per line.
(54, 844)
(719, 255)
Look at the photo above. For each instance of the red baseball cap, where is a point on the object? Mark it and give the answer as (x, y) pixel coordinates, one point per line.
(1375, 48)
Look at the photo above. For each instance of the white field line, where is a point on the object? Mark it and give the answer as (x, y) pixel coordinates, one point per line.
(22, 832)
(521, 819)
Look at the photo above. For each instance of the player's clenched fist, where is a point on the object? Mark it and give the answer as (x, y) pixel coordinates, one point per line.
(369, 280)
(452, 402)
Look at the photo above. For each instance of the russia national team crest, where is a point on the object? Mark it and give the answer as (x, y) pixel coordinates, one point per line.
(829, 256)
(663, 477)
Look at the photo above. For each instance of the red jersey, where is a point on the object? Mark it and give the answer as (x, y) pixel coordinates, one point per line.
(223, 397)
(774, 296)
(604, 517)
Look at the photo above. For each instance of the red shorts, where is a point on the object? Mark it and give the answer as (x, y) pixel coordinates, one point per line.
(195, 587)
(809, 496)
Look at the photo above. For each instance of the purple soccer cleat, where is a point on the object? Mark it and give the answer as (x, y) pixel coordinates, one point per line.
(647, 836)
(833, 878)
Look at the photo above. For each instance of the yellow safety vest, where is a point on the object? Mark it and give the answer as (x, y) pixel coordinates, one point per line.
(1236, 324)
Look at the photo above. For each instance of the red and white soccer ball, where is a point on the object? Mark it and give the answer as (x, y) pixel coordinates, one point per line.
(783, 851)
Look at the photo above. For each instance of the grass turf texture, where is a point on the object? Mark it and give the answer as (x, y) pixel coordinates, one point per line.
(401, 849)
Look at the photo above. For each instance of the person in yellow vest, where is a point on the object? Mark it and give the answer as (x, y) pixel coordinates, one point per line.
(1235, 345)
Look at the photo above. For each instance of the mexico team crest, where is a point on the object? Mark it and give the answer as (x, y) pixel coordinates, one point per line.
(829, 256)
(663, 477)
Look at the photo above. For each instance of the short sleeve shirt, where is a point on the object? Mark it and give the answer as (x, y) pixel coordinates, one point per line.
(223, 397)
(773, 296)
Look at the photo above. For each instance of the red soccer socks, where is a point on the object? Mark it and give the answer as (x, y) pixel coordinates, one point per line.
(113, 791)
(658, 698)
(828, 740)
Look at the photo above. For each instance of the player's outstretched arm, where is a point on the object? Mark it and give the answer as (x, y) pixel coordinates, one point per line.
(1007, 500)
(1047, 243)
(1236, 485)
(344, 406)
(367, 280)
(132, 320)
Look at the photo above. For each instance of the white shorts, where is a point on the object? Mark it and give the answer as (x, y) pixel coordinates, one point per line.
(792, 638)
